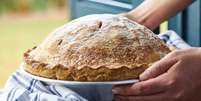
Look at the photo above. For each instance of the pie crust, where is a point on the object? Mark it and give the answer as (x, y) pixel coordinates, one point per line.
(96, 48)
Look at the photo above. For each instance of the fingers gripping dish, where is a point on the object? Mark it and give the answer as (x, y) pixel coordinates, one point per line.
(96, 48)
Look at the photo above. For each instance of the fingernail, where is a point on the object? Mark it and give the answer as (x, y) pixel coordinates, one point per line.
(115, 90)
(143, 76)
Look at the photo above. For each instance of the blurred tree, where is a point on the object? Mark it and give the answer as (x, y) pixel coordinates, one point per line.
(57, 3)
(61, 3)
(26, 6)
(23, 6)
(39, 4)
(7, 5)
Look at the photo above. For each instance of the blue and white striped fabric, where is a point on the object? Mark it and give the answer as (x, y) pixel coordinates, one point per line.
(22, 88)
(173, 40)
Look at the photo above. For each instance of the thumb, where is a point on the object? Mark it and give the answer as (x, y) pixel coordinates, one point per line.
(158, 67)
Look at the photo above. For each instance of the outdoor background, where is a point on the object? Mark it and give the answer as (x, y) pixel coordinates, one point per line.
(24, 24)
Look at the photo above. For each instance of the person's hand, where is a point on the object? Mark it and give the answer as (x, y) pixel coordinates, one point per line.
(177, 77)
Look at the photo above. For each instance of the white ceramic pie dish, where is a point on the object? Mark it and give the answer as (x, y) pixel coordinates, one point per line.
(64, 82)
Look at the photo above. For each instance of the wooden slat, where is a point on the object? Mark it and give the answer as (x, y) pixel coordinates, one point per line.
(175, 23)
(187, 24)
(84, 7)
(192, 24)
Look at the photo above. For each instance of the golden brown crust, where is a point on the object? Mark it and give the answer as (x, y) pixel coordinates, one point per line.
(98, 46)
(87, 73)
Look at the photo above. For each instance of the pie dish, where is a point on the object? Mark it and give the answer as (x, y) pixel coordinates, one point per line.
(96, 48)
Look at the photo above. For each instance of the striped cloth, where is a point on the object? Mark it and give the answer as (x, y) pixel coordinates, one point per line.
(173, 40)
(22, 88)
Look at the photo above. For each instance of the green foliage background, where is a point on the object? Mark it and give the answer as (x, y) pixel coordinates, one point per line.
(24, 24)
(25, 6)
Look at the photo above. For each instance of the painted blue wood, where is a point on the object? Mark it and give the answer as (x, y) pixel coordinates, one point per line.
(192, 24)
(72, 5)
(175, 23)
(187, 24)
(84, 7)
(125, 1)
(135, 3)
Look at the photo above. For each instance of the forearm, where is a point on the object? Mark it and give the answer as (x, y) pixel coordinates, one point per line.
(153, 12)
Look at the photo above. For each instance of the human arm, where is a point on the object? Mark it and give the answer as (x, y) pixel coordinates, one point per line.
(153, 12)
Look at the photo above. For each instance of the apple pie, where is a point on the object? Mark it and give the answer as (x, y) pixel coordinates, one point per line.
(96, 48)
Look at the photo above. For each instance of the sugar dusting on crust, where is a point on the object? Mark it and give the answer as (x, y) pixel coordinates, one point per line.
(99, 40)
